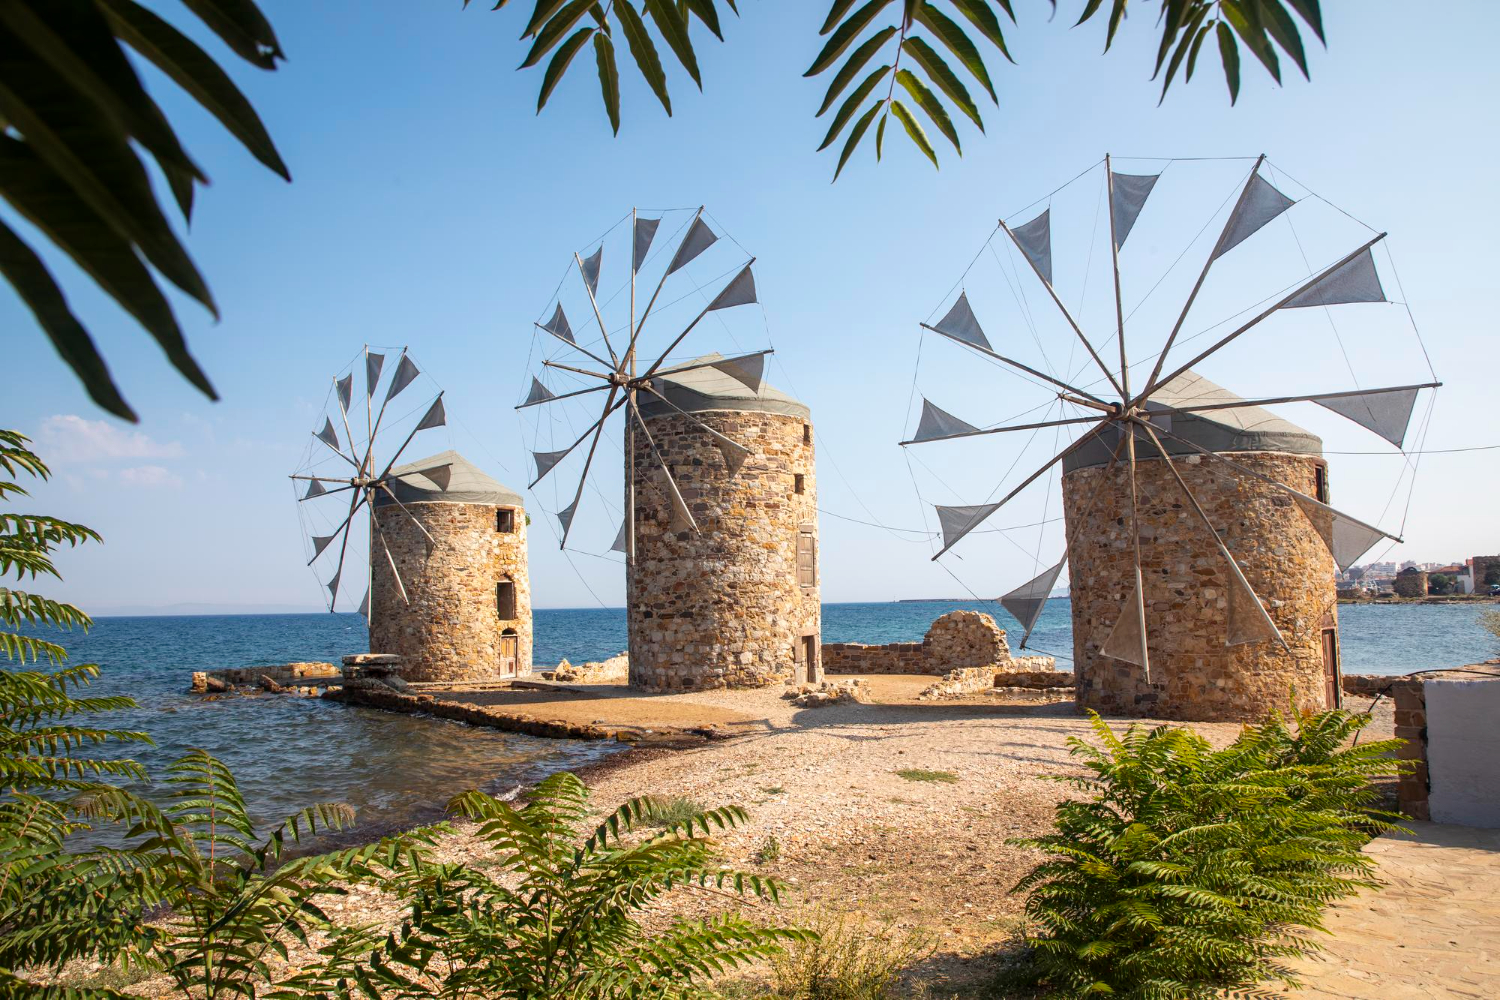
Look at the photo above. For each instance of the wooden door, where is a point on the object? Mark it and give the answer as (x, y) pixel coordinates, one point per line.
(508, 654)
(1334, 690)
(809, 657)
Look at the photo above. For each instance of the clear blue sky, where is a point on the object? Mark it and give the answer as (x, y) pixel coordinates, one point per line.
(431, 207)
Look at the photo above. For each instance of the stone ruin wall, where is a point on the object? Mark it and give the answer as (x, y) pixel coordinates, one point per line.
(722, 608)
(966, 648)
(451, 629)
(1194, 676)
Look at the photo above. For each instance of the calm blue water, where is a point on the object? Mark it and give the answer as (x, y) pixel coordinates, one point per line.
(290, 752)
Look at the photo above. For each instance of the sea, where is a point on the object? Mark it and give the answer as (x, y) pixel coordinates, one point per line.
(396, 770)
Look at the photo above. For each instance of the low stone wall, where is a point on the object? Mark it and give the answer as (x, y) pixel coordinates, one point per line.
(959, 640)
(309, 674)
(1367, 685)
(615, 670)
(1044, 678)
(960, 682)
(859, 658)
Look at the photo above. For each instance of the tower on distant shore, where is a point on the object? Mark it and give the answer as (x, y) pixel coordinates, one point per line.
(458, 607)
(736, 603)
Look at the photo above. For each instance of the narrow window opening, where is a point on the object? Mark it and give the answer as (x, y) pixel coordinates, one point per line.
(505, 521)
(505, 599)
(1321, 483)
(807, 433)
(799, 483)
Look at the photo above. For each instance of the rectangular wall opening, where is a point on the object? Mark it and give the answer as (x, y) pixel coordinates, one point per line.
(505, 521)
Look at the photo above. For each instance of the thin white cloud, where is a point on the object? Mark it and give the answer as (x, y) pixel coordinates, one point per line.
(149, 476)
(68, 437)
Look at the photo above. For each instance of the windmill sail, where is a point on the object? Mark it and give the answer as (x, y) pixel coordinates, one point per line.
(739, 292)
(539, 393)
(1028, 600)
(1035, 241)
(939, 423)
(1246, 619)
(558, 325)
(1127, 640)
(1130, 194)
(1386, 413)
(328, 435)
(565, 517)
(1346, 538)
(436, 416)
(345, 388)
(314, 489)
(1356, 280)
(747, 370)
(364, 604)
(321, 542)
(406, 373)
(619, 545)
(373, 364)
(698, 239)
(1260, 204)
(545, 460)
(961, 324)
(591, 271)
(957, 522)
(645, 232)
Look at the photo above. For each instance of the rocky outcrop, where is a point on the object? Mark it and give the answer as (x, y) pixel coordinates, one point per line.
(300, 678)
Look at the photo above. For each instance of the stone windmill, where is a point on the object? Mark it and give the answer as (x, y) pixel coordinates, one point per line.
(719, 532)
(1178, 493)
(361, 472)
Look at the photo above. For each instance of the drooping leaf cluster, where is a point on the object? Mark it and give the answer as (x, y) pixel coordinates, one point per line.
(934, 51)
(74, 119)
(1190, 870)
(551, 916)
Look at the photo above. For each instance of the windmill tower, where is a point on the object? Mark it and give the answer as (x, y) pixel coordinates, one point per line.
(1198, 534)
(720, 530)
(448, 588)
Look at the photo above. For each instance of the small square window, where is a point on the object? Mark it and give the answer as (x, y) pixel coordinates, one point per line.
(799, 483)
(505, 521)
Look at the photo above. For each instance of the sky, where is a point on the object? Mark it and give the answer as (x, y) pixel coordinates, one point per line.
(431, 208)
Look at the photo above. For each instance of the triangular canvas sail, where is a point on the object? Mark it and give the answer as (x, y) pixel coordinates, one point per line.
(406, 372)
(734, 454)
(364, 604)
(939, 423)
(1028, 600)
(739, 292)
(328, 435)
(1035, 241)
(565, 517)
(961, 324)
(545, 460)
(698, 239)
(436, 416)
(333, 588)
(619, 545)
(1127, 639)
(591, 270)
(345, 388)
(539, 393)
(747, 370)
(558, 325)
(959, 521)
(1346, 538)
(314, 489)
(1386, 413)
(1261, 203)
(682, 519)
(440, 475)
(1246, 620)
(321, 542)
(645, 232)
(1354, 281)
(1130, 193)
(373, 364)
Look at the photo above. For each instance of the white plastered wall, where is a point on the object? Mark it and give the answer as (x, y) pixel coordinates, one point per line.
(1463, 751)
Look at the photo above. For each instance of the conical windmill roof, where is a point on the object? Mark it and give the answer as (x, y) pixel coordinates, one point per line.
(465, 483)
(710, 389)
(1233, 429)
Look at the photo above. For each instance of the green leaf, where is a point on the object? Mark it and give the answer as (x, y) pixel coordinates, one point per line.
(242, 27)
(836, 12)
(1282, 28)
(914, 130)
(929, 103)
(554, 30)
(38, 193)
(1246, 23)
(673, 27)
(540, 14)
(845, 35)
(982, 17)
(1192, 59)
(609, 78)
(853, 101)
(947, 81)
(1311, 12)
(95, 159)
(28, 276)
(1231, 56)
(1170, 26)
(644, 51)
(1089, 10)
(855, 134)
(1115, 17)
(958, 43)
(880, 136)
(706, 12)
(1192, 37)
(853, 65)
(194, 71)
(559, 64)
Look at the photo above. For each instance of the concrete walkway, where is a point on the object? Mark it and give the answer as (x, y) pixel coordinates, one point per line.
(1433, 931)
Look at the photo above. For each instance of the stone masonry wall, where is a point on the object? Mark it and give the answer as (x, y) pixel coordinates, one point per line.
(956, 645)
(859, 658)
(722, 608)
(1194, 676)
(451, 629)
